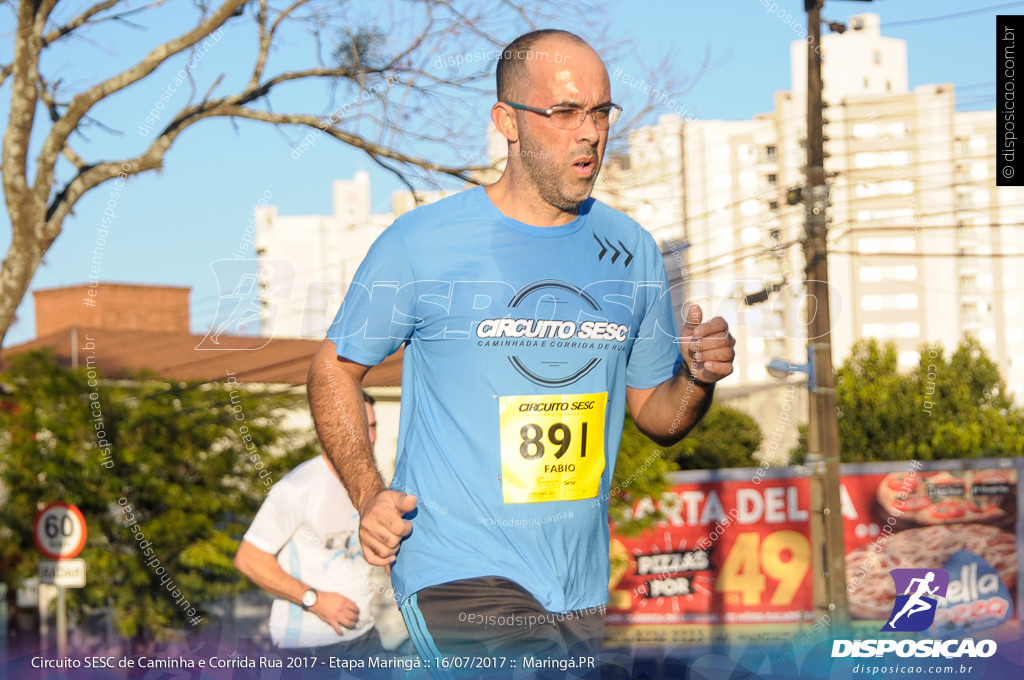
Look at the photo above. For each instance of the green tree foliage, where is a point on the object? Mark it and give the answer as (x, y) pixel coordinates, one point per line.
(726, 437)
(641, 471)
(947, 407)
(178, 456)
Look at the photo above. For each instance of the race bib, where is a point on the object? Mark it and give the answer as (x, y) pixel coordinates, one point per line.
(552, 446)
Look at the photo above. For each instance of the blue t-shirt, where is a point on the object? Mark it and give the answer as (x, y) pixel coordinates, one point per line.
(520, 342)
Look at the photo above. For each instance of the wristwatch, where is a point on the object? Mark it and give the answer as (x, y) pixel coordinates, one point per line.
(309, 599)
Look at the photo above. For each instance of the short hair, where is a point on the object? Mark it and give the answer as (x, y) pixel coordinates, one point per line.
(513, 78)
(368, 399)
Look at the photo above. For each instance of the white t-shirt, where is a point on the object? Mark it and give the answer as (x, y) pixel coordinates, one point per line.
(309, 522)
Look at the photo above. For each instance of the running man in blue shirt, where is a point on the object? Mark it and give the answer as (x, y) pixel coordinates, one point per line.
(531, 315)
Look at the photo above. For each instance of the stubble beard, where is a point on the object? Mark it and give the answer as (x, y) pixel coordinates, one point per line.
(548, 176)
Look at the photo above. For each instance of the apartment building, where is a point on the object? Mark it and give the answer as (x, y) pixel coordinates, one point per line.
(924, 248)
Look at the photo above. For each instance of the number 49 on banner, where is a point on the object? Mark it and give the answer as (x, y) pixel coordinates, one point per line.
(784, 556)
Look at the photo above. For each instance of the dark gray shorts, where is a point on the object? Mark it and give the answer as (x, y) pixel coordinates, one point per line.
(478, 621)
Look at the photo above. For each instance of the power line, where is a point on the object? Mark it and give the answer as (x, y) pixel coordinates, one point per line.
(919, 254)
(944, 17)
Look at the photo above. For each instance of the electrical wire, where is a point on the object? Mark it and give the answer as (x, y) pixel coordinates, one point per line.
(946, 17)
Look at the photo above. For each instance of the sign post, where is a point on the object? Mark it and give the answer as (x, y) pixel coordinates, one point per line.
(59, 532)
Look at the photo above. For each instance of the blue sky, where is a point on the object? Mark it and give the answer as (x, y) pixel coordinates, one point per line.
(171, 225)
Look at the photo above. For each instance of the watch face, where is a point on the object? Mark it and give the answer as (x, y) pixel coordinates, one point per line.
(309, 598)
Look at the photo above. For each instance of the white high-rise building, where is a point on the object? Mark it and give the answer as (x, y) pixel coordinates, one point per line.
(923, 246)
(709, 193)
(324, 251)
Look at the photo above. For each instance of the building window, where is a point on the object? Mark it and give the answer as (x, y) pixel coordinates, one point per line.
(773, 178)
(877, 57)
(906, 272)
(907, 358)
(908, 329)
(865, 130)
(906, 301)
(870, 274)
(865, 159)
(773, 206)
(769, 152)
(891, 215)
(872, 303)
(866, 189)
(869, 244)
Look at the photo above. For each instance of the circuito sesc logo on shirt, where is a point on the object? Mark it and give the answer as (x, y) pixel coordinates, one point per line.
(554, 314)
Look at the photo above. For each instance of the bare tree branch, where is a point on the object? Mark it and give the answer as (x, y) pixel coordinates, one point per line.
(46, 93)
(82, 103)
(78, 21)
(391, 89)
(120, 18)
(358, 142)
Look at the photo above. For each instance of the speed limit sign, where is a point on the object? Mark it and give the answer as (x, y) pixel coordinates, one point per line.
(59, 531)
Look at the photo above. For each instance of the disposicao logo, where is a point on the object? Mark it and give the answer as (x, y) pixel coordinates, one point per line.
(914, 610)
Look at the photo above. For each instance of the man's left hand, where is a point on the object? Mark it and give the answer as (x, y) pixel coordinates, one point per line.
(707, 347)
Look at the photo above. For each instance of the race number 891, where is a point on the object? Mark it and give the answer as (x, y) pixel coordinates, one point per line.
(559, 434)
(552, 446)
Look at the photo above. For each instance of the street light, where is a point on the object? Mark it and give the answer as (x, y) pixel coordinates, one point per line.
(782, 368)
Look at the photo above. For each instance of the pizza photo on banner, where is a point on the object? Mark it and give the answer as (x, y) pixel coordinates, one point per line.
(732, 558)
(960, 516)
(730, 561)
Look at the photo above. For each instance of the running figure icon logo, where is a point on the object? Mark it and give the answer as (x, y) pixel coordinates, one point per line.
(914, 610)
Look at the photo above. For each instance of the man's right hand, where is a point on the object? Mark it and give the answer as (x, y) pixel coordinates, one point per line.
(381, 527)
(336, 610)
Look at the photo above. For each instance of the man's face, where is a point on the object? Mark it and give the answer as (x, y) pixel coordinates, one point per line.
(563, 164)
(371, 420)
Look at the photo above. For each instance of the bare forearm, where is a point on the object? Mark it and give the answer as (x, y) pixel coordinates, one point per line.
(262, 569)
(674, 408)
(336, 403)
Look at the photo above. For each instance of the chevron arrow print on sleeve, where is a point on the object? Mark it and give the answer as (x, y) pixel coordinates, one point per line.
(606, 245)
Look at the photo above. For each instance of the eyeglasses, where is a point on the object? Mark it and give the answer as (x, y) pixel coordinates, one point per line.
(571, 117)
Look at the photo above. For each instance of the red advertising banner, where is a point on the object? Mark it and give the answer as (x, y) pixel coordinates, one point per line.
(732, 560)
(734, 549)
(961, 516)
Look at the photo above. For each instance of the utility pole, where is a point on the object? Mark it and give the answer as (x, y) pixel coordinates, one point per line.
(823, 426)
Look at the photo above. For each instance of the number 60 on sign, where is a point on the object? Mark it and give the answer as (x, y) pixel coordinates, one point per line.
(59, 531)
